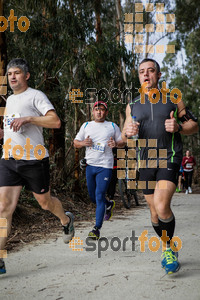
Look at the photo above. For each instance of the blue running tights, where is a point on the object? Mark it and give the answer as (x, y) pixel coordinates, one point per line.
(98, 180)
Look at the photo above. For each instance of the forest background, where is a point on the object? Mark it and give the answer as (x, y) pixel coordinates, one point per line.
(80, 44)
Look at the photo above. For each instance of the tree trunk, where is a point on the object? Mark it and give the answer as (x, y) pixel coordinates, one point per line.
(122, 66)
(56, 139)
(3, 48)
(147, 43)
(97, 8)
(117, 4)
(76, 162)
(121, 120)
(119, 21)
(3, 59)
(68, 141)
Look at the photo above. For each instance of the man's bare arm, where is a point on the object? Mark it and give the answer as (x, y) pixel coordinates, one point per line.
(85, 143)
(50, 120)
(190, 126)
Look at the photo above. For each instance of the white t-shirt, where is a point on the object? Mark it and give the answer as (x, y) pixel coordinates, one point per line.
(29, 103)
(100, 154)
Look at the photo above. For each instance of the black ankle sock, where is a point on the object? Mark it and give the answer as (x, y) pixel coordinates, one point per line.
(168, 225)
(157, 229)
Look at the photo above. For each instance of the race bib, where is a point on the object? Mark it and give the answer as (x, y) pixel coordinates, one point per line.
(8, 120)
(99, 147)
(189, 166)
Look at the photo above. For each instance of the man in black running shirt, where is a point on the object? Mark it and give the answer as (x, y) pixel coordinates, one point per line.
(158, 121)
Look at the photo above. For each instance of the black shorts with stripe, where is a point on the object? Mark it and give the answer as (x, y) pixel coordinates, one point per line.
(33, 174)
(170, 173)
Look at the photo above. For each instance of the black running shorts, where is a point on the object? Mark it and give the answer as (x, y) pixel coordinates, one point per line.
(33, 174)
(170, 173)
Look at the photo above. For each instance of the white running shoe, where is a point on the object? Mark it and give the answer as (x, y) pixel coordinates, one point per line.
(186, 192)
(189, 190)
(68, 230)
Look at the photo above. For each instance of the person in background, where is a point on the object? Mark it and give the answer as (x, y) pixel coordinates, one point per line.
(99, 137)
(188, 164)
(180, 179)
(112, 185)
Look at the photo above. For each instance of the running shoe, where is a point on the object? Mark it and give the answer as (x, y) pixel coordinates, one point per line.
(177, 190)
(2, 267)
(186, 192)
(189, 190)
(163, 262)
(170, 261)
(109, 210)
(68, 230)
(94, 233)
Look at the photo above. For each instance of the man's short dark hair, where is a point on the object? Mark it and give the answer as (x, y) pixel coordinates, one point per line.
(157, 66)
(20, 63)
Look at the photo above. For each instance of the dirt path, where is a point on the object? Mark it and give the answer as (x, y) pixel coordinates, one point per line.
(50, 269)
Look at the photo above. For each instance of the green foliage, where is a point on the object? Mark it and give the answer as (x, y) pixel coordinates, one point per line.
(187, 15)
(186, 77)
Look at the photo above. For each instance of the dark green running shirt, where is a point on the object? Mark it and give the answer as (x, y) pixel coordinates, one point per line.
(152, 126)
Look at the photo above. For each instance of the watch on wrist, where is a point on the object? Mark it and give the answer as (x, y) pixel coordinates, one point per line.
(180, 128)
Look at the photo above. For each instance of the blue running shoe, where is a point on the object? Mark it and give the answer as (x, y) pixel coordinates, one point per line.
(109, 210)
(170, 262)
(68, 230)
(2, 267)
(94, 234)
(163, 262)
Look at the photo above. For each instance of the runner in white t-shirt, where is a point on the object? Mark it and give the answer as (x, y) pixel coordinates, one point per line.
(25, 160)
(99, 137)
(32, 103)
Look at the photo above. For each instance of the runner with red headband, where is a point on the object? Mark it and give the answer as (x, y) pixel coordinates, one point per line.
(99, 137)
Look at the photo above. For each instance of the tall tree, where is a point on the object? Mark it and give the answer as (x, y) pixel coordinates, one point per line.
(3, 48)
(186, 75)
(3, 59)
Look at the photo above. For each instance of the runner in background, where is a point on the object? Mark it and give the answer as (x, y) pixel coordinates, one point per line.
(188, 164)
(113, 182)
(180, 180)
(99, 137)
